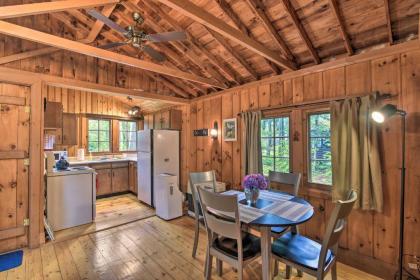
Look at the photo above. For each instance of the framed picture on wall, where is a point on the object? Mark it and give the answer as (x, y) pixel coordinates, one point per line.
(229, 129)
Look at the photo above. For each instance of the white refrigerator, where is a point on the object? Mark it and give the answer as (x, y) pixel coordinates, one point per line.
(157, 153)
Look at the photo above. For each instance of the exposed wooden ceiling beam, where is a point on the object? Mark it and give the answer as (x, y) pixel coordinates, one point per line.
(195, 44)
(14, 11)
(55, 41)
(227, 9)
(388, 21)
(186, 8)
(259, 10)
(94, 32)
(221, 40)
(302, 33)
(346, 39)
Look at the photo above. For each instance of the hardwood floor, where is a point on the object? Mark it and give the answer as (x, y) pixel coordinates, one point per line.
(110, 212)
(146, 249)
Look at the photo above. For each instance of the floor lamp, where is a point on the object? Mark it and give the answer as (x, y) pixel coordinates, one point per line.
(380, 116)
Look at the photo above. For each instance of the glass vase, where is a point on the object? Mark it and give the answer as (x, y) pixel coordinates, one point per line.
(251, 195)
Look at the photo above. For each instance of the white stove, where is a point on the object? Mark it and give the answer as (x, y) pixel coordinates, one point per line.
(71, 197)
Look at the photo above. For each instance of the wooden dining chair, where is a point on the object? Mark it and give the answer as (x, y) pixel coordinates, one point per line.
(197, 178)
(310, 256)
(226, 240)
(290, 183)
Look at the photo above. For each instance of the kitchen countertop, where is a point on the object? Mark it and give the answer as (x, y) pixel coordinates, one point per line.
(96, 160)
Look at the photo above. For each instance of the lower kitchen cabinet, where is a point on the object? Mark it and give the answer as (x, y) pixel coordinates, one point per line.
(104, 181)
(132, 177)
(119, 179)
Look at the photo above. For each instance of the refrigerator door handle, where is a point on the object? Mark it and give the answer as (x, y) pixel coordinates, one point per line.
(166, 159)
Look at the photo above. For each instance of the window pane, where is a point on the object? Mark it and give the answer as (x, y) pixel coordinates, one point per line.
(282, 147)
(93, 124)
(132, 126)
(275, 150)
(319, 125)
(93, 136)
(321, 172)
(103, 135)
(104, 146)
(320, 149)
(282, 127)
(268, 164)
(104, 125)
(131, 136)
(93, 146)
(131, 146)
(123, 126)
(267, 127)
(282, 165)
(267, 147)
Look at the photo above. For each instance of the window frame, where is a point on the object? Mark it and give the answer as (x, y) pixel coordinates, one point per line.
(119, 135)
(308, 114)
(277, 116)
(109, 135)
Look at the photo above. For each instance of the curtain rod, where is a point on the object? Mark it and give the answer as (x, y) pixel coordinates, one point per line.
(321, 102)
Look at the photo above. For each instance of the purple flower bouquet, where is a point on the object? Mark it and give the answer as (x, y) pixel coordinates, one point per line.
(252, 184)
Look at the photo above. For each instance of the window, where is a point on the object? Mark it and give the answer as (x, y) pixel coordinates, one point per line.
(320, 149)
(275, 145)
(98, 135)
(128, 132)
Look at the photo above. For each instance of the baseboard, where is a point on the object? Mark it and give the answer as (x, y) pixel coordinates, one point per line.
(368, 264)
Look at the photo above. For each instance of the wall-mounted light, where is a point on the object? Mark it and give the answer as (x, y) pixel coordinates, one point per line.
(214, 131)
(134, 111)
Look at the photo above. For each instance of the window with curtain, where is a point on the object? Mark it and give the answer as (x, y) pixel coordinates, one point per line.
(275, 144)
(99, 135)
(320, 171)
(128, 136)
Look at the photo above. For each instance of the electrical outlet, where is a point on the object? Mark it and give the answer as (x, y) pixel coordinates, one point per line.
(412, 266)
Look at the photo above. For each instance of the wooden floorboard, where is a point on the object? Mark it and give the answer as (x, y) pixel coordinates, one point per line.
(148, 249)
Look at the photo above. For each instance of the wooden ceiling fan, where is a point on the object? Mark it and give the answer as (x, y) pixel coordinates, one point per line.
(137, 37)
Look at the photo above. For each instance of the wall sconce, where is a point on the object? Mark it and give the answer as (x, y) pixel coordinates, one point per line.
(134, 111)
(214, 131)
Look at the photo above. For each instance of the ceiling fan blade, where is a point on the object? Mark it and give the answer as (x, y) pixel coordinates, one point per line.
(167, 36)
(154, 54)
(94, 13)
(112, 45)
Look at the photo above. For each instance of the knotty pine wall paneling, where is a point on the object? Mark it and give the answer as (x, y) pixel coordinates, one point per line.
(370, 237)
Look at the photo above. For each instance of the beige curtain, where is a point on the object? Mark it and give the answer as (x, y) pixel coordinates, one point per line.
(251, 143)
(355, 155)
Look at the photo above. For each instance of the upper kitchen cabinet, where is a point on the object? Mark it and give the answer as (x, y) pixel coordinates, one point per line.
(69, 134)
(170, 119)
(53, 117)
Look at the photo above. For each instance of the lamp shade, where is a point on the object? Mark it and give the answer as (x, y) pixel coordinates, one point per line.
(384, 113)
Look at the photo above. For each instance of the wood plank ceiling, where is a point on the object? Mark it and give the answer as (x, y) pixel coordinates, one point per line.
(300, 32)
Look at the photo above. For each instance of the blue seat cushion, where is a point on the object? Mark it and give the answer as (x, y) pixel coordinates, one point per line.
(299, 249)
(251, 246)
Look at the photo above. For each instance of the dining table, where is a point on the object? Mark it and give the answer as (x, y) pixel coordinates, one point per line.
(272, 209)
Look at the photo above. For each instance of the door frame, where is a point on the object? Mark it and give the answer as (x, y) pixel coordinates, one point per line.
(36, 154)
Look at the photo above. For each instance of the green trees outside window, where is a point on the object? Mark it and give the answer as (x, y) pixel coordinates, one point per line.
(128, 136)
(320, 149)
(98, 135)
(275, 144)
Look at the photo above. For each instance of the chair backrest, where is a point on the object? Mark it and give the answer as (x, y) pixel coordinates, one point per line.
(197, 178)
(336, 225)
(221, 214)
(290, 179)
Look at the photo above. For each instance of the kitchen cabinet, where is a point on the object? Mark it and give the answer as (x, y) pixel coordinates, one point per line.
(53, 115)
(120, 177)
(104, 181)
(69, 130)
(132, 177)
(170, 119)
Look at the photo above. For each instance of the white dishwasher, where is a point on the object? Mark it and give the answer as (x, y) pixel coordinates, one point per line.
(71, 197)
